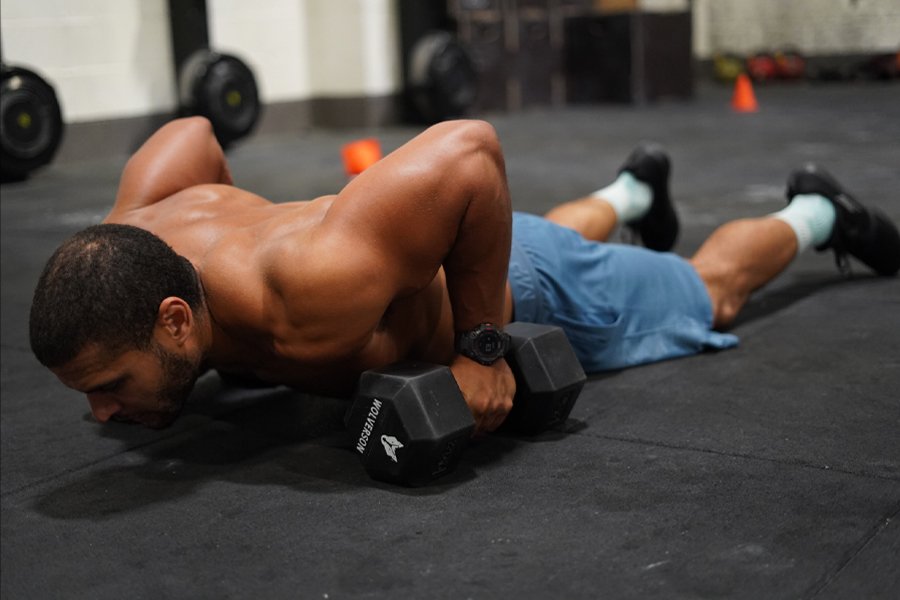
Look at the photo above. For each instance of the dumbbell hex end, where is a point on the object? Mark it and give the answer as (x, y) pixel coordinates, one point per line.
(410, 423)
(548, 375)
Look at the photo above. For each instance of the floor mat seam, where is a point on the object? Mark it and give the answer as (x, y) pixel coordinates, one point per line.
(794, 463)
(820, 586)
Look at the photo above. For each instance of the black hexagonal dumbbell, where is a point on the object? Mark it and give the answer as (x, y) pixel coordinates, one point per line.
(548, 375)
(411, 423)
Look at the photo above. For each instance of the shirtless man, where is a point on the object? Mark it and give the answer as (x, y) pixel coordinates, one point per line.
(189, 273)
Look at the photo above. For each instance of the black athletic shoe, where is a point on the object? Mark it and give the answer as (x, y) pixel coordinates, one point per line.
(659, 227)
(863, 232)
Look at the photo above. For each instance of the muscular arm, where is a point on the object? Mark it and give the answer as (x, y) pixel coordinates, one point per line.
(440, 200)
(181, 154)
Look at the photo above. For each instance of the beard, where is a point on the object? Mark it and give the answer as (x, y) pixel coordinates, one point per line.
(178, 379)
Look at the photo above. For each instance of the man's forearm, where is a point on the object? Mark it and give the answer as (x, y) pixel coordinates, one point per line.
(477, 264)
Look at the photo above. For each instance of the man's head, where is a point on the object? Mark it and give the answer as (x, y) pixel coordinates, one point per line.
(115, 315)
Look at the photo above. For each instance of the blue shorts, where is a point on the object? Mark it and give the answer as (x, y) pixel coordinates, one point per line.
(619, 305)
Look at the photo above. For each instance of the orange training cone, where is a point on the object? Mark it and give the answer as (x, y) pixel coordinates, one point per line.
(743, 100)
(360, 155)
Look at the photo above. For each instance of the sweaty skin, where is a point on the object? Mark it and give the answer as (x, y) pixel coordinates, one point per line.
(310, 294)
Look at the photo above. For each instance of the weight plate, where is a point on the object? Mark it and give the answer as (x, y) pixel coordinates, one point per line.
(221, 88)
(230, 95)
(31, 124)
(442, 78)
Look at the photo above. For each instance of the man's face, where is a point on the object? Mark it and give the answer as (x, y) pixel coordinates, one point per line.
(146, 387)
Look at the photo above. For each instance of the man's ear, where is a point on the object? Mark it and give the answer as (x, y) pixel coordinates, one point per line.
(175, 319)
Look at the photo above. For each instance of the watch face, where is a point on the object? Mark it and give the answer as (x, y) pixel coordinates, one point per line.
(485, 344)
(489, 343)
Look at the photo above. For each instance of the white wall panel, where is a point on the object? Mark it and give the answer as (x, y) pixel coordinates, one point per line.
(380, 47)
(106, 58)
(353, 47)
(335, 47)
(271, 36)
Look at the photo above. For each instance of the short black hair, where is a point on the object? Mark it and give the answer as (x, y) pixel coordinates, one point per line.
(104, 285)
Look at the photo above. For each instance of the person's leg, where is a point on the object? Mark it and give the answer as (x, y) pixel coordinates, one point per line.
(742, 256)
(619, 305)
(638, 198)
(594, 218)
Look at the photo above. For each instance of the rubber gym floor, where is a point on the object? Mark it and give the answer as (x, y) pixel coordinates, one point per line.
(767, 471)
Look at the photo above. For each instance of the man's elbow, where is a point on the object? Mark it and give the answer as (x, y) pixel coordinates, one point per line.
(197, 122)
(192, 127)
(480, 156)
(471, 135)
(487, 140)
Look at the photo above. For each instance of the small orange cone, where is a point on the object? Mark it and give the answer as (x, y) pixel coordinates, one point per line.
(743, 100)
(359, 155)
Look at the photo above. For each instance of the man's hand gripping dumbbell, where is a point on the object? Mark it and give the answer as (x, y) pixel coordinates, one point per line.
(411, 423)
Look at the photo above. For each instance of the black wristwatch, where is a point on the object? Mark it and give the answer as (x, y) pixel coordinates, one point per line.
(485, 344)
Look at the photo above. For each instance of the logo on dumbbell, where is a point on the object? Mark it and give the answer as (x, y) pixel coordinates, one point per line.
(368, 426)
(391, 445)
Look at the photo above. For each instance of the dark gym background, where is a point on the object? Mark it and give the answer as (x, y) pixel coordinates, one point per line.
(767, 471)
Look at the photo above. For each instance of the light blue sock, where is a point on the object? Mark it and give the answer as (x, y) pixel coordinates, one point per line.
(811, 216)
(629, 197)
